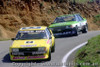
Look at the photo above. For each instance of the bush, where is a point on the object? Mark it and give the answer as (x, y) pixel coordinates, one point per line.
(97, 18)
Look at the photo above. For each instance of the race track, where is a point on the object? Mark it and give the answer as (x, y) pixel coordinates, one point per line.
(63, 46)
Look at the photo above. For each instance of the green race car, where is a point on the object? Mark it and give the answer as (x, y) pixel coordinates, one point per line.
(69, 24)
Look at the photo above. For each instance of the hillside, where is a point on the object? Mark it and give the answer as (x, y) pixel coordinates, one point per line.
(15, 14)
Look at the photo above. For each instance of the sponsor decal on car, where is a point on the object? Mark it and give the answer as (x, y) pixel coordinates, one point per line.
(32, 57)
(18, 57)
(64, 33)
(31, 28)
(31, 31)
(48, 41)
(38, 52)
(27, 45)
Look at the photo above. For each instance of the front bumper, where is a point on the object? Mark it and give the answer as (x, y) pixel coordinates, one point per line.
(29, 55)
(22, 58)
(63, 31)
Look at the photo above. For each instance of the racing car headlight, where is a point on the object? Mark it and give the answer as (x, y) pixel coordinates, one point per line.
(41, 49)
(15, 50)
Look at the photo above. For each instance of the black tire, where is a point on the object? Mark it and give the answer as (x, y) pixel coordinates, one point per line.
(53, 48)
(76, 31)
(49, 58)
(85, 29)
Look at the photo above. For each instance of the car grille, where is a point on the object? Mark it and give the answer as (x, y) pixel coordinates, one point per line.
(28, 52)
(61, 29)
(28, 49)
(58, 29)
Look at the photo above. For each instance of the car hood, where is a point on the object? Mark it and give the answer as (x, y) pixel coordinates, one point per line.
(62, 24)
(29, 43)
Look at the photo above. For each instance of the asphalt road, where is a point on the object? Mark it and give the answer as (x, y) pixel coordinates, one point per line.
(63, 45)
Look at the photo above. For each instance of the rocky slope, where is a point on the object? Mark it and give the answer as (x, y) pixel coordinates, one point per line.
(15, 14)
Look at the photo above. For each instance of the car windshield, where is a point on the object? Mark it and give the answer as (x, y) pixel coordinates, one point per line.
(36, 34)
(64, 19)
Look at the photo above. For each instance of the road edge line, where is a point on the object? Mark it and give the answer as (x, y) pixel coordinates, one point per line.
(65, 58)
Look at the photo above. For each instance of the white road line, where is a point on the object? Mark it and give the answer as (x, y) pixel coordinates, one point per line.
(65, 58)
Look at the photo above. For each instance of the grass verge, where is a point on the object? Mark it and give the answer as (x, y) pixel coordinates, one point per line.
(89, 55)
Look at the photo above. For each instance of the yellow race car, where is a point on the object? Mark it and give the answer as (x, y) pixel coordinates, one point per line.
(32, 43)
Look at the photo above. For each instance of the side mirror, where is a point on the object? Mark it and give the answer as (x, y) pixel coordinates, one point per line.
(12, 38)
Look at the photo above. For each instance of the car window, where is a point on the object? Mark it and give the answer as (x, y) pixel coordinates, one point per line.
(48, 33)
(65, 19)
(36, 34)
(79, 18)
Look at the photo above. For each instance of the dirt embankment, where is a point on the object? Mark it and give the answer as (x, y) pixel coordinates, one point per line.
(15, 14)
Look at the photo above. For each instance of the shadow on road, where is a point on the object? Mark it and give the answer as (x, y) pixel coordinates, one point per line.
(6, 59)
